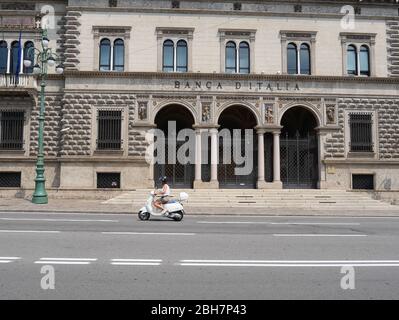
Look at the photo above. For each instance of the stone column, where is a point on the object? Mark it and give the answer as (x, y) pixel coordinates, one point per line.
(198, 154)
(322, 167)
(261, 159)
(276, 158)
(214, 158)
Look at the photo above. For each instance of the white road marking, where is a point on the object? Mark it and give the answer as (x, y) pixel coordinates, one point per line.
(69, 259)
(28, 231)
(135, 263)
(57, 220)
(10, 258)
(150, 233)
(280, 223)
(63, 262)
(136, 260)
(320, 235)
(66, 261)
(5, 261)
(292, 263)
(285, 265)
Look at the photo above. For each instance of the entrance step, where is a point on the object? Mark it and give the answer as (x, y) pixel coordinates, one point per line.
(268, 199)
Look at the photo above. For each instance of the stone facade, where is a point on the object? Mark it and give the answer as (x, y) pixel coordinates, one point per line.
(206, 91)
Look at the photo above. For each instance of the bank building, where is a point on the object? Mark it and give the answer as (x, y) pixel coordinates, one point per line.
(317, 81)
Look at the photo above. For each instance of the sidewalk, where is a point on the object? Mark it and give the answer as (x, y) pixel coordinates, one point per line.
(96, 206)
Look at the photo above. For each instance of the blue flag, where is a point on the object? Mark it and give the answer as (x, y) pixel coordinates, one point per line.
(19, 61)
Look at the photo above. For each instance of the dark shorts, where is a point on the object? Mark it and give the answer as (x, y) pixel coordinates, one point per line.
(164, 200)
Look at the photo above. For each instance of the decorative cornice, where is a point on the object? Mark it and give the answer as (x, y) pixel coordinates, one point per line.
(362, 161)
(225, 76)
(229, 12)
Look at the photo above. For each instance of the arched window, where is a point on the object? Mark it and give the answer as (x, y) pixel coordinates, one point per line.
(231, 57)
(105, 55)
(14, 58)
(244, 57)
(3, 57)
(352, 60)
(168, 56)
(292, 59)
(119, 55)
(29, 54)
(364, 61)
(181, 56)
(305, 59)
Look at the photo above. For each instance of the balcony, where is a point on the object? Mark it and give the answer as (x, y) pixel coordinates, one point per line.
(24, 81)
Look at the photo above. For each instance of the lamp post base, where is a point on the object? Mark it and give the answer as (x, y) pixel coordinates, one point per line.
(40, 199)
(40, 194)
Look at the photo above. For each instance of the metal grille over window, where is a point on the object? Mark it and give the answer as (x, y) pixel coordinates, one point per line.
(11, 130)
(363, 182)
(175, 4)
(10, 179)
(108, 180)
(109, 130)
(237, 6)
(361, 132)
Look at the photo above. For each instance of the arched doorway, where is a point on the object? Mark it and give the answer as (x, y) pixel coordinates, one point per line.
(237, 118)
(299, 149)
(179, 175)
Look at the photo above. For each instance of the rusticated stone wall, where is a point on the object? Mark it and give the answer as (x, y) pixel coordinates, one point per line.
(387, 114)
(393, 47)
(77, 115)
(51, 133)
(71, 40)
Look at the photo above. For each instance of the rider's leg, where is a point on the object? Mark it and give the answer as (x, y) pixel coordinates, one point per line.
(158, 205)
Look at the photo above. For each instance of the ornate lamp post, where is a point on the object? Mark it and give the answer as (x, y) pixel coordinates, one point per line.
(44, 58)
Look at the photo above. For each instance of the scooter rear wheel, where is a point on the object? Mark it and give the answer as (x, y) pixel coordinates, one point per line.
(178, 216)
(144, 216)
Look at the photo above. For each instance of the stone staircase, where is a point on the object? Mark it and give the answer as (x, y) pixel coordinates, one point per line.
(267, 199)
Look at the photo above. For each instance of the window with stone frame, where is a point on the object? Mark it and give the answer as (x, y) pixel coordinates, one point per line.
(174, 56)
(361, 132)
(174, 49)
(358, 54)
(109, 129)
(111, 48)
(12, 129)
(237, 52)
(298, 52)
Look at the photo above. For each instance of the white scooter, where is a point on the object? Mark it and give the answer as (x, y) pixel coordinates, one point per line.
(174, 207)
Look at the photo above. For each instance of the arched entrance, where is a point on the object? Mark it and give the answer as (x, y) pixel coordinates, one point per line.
(299, 149)
(233, 118)
(179, 175)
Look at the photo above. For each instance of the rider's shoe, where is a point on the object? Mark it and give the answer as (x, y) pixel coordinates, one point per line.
(165, 212)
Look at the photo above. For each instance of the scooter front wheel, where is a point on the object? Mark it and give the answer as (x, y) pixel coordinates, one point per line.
(144, 216)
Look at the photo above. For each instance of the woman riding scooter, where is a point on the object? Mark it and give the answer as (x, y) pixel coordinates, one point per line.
(164, 196)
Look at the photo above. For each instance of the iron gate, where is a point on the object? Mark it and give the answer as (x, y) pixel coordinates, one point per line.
(226, 172)
(299, 161)
(179, 175)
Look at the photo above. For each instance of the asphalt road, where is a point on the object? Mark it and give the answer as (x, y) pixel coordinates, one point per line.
(104, 256)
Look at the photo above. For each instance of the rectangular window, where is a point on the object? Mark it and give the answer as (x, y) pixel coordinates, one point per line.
(108, 180)
(109, 130)
(361, 132)
(11, 130)
(363, 182)
(10, 179)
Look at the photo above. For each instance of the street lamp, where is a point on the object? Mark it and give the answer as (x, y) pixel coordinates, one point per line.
(44, 58)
